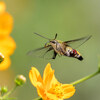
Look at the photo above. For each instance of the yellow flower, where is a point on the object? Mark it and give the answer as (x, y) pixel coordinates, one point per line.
(7, 47)
(7, 44)
(6, 21)
(49, 88)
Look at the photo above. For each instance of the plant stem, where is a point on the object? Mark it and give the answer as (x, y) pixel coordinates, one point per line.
(6, 95)
(85, 78)
(38, 98)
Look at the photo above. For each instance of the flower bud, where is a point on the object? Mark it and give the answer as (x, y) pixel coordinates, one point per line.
(20, 80)
(1, 57)
(0, 89)
(4, 89)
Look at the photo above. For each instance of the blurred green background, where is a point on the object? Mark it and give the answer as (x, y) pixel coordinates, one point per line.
(71, 19)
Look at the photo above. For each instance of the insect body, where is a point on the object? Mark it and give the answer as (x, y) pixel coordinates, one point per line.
(64, 49)
(57, 47)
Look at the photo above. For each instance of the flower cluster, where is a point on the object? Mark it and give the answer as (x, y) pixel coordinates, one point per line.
(49, 88)
(7, 44)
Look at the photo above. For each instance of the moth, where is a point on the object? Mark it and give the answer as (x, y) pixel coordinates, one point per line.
(54, 47)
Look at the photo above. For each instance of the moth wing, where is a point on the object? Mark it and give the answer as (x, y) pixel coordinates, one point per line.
(77, 42)
(50, 54)
(43, 52)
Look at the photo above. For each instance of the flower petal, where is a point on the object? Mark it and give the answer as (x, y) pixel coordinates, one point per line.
(48, 76)
(6, 24)
(6, 63)
(52, 96)
(41, 91)
(7, 45)
(47, 70)
(45, 95)
(48, 81)
(69, 90)
(35, 76)
(2, 7)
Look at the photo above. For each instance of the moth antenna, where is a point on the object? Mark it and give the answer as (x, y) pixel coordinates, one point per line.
(55, 36)
(42, 36)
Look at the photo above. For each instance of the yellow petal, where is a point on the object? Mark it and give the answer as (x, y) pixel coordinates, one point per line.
(35, 76)
(48, 76)
(2, 7)
(41, 91)
(7, 45)
(45, 95)
(6, 63)
(6, 24)
(69, 90)
(54, 81)
(48, 80)
(47, 70)
(52, 96)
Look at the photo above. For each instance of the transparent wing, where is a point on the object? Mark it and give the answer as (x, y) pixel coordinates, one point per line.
(77, 42)
(43, 52)
(49, 55)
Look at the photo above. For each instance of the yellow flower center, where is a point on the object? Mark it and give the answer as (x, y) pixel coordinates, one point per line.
(57, 90)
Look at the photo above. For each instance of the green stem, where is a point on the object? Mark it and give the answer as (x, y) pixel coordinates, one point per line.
(2, 94)
(6, 95)
(85, 78)
(38, 98)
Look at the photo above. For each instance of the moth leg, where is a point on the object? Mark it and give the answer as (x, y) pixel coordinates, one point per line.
(54, 56)
(48, 50)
